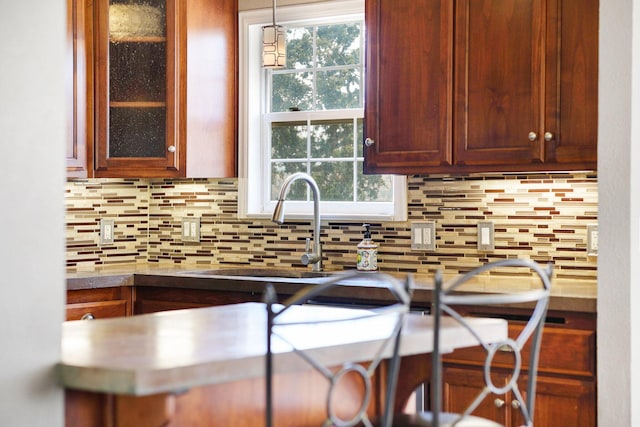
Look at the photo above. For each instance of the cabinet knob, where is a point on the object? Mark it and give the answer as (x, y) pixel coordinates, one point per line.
(515, 404)
(88, 316)
(533, 136)
(171, 148)
(499, 403)
(548, 136)
(369, 142)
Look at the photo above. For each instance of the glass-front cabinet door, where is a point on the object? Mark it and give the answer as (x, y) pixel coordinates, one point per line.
(138, 94)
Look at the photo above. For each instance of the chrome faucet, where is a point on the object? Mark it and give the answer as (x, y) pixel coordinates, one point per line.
(314, 257)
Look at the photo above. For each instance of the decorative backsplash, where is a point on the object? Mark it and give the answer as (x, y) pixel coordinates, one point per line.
(541, 216)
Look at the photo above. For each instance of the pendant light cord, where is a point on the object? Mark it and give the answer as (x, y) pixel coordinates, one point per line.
(274, 13)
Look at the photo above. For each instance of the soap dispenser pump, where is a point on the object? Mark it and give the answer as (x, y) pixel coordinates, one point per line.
(367, 252)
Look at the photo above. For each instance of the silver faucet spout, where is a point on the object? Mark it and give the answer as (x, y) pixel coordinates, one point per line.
(315, 257)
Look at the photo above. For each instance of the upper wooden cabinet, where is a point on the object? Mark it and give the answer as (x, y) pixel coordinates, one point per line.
(162, 87)
(481, 86)
(76, 86)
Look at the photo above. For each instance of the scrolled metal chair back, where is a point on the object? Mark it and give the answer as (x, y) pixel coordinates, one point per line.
(392, 316)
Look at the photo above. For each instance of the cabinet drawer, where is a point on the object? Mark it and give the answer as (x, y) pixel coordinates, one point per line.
(563, 351)
(99, 310)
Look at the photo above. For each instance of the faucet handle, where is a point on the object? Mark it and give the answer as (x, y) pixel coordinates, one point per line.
(311, 257)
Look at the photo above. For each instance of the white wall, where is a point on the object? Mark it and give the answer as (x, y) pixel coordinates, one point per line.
(619, 215)
(32, 132)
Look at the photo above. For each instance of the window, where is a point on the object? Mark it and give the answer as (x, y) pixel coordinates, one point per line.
(308, 117)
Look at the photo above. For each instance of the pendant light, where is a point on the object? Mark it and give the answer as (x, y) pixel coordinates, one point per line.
(274, 44)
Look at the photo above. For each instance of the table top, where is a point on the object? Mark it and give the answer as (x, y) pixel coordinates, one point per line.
(177, 350)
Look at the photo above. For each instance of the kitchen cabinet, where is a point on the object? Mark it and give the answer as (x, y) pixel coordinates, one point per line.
(409, 85)
(566, 390)
(99, 303)
(559, 402)
(163, 88)
(149, 299)
(492, 86)
(76, 90)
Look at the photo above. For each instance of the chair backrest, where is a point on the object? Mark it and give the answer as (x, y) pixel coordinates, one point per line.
(453, 299)
(281, 336)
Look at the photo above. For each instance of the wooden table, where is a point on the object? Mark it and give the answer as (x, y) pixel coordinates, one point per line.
(205, 366)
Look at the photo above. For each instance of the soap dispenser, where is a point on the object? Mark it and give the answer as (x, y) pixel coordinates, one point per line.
(367, 252)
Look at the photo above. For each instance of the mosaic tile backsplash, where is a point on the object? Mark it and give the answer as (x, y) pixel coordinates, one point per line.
(541, 216)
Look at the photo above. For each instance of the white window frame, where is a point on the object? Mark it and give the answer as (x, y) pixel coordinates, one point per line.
(252, 134)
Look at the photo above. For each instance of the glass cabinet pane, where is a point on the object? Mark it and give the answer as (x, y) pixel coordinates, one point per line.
(137, 132)
(137, 73)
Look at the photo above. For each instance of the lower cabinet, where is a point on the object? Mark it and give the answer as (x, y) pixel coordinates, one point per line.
(566, 382)
(559, 401)
(151, 299)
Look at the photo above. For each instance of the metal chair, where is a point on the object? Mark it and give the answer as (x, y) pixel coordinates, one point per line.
(281, 336)
(449, 301)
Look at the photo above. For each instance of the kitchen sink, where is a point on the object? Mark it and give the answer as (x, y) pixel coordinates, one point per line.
(261, 272)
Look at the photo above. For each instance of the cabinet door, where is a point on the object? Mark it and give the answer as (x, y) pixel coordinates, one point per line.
(408, 85)
(499, 86)
(138, 95)
(150, 299)
(76, 90)
(460, 388)
(571, 122)
(565, 402)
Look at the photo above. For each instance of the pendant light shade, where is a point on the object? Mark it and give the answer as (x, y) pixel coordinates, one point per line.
(274, 44)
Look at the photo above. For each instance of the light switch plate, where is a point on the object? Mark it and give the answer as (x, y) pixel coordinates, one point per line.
(592, 239)
(190, 229)
(485, 236)
(423, 235)
(106, 232)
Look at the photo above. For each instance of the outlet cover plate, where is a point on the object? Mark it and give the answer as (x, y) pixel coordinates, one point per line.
(190, 229)
(592, 239)
(106, 232)
(423, 235)
(485, 236)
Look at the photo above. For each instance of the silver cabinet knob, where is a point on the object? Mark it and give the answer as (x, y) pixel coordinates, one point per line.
(548, 136)
(533, 136)
(515, 404)
(369, 142)
(499, 403)
(88, 316)
(171, 148)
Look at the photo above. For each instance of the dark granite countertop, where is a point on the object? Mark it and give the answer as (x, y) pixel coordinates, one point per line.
(567, 295)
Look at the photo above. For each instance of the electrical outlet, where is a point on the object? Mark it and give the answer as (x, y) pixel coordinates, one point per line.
(592, 239)
(423, 236)
(190, 229)
(106, 232)
(485, 236)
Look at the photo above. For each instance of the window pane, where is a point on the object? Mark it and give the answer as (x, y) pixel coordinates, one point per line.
(335, 180)
(360, 138)
(338, 45)
(374, 188)
(300, 47)
(289, 140)
(338, 89)
(332, 139)
(292, 91)
(281, 170)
